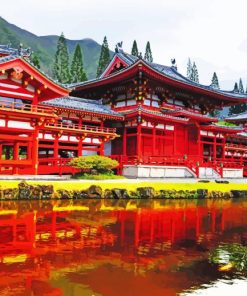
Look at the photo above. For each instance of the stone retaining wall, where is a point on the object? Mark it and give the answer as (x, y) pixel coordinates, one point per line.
(47, 192)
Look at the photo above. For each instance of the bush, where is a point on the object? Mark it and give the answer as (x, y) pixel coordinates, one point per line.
(101, 164)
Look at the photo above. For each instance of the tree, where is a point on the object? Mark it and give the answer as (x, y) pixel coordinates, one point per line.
(240, 86)
(238, 108)
(236, 89)
(134, 50)
(215, 82)
(148, 53)
(189, 69)
(35, 60)
(61, 66)
(101, 164)
(77, 71)
(194, 74)
(104, 59)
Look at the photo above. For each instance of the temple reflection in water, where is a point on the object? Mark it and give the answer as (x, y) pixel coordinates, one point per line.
(99, 247)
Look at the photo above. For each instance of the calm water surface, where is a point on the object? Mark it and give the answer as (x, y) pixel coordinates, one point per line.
(123, 248)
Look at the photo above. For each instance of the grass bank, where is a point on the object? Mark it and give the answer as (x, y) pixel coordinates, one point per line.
(129, 185)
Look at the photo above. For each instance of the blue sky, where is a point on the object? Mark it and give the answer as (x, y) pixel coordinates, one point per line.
(212, 32)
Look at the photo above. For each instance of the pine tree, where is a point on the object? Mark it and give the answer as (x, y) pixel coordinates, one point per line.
(189, 69)
(134, 50)
(240, 87)
(148, 53)
(104, 59)
(35, 60)
(77, 71)
(215, 82)
(239, 108)
(61, 66)
(194, 74)
(235, 89)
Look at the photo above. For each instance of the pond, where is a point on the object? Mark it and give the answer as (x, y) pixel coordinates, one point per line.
(119, 247)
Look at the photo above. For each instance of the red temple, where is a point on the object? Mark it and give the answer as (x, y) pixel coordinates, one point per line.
(149, 117)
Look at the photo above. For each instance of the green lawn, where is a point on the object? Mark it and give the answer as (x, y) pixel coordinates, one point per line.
(82, 185)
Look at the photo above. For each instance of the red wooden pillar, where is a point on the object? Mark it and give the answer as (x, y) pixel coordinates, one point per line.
(56, 146)
(101, 147)
(175, 140)
(29, 150)
(224, 147)
(138, 140)
(200, 152)
(16, 156)
(186, 140)
(154, 140)
(35, 151)
(124, 140)
(214, 149)
(80, 146)
(16, 151)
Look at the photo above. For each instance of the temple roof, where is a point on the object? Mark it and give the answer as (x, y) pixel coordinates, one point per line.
(80, 104)
(143, 110)
(8, 50)
(14, 60)
(189, 114)
(243, 134)
(238, 117)
(225, 128)
(165, 71)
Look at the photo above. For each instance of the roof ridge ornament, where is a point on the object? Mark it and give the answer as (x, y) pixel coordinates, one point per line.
(174, 64)
(24, 52)
(119, 47)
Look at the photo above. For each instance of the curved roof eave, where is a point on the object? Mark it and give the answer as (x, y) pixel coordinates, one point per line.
(184, 82)
(7, 62)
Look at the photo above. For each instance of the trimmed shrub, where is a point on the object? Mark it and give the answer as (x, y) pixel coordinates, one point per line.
(100, 164)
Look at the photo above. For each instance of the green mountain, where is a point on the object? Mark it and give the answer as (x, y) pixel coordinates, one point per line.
(45, 47)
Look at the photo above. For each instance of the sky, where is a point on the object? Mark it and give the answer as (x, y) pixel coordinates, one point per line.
(212, 33)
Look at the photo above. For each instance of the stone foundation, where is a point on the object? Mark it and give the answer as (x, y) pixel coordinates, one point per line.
(233, 173)
(147, 171)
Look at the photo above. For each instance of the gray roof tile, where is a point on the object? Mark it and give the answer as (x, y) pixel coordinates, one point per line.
(82, 105)
(240, 116)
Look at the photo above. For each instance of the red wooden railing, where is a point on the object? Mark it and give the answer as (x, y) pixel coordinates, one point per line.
(87, 128)
(21, 107)
(55, 166)
(237, 147)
